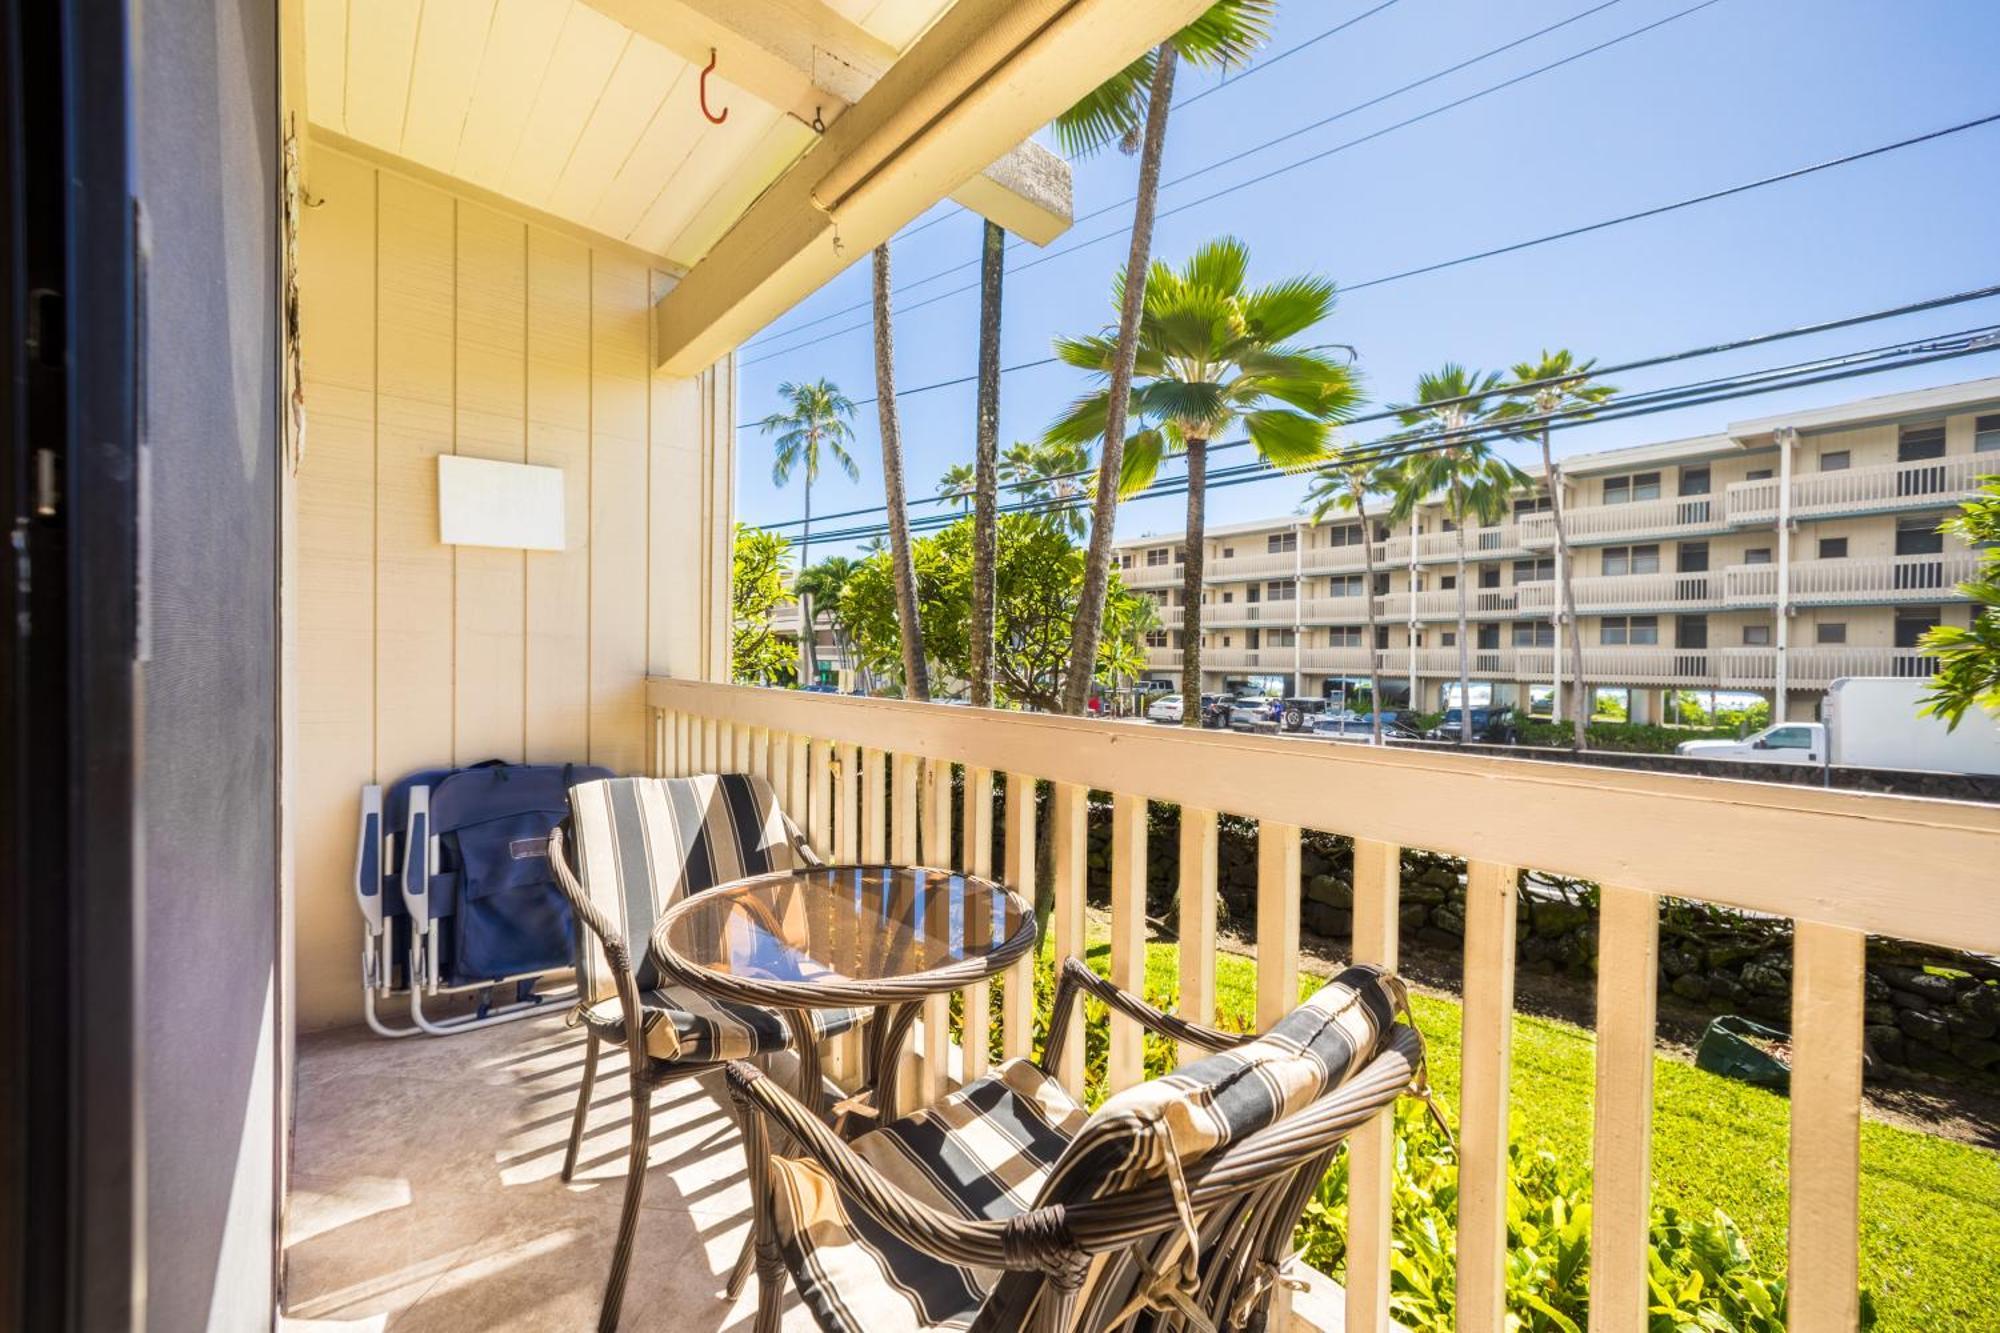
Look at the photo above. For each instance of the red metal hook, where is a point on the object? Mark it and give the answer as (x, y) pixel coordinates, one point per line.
(713, 117)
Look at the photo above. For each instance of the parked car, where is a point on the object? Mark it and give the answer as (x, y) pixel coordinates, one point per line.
(1867, 722)
(1360, 727)
(1301, 713)
(1167, 708)
(1216, 710)
(1255, 714)
(1490, 726)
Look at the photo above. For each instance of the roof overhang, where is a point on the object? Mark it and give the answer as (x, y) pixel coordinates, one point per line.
(1967, 396)
(984, 77)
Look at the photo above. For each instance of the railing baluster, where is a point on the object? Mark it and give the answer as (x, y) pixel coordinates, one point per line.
(874, 806)
(1126, 1063)
(1827, 995)
(1197, 917)
(757, 752)
(711, 746)
(1371, 1157)
(1017, 1010)
(1628, 958)
(935, 827)
(798, 777)
(847, 804)
(748, 760)
(976, 858)
(725, 748)
(1277, 921)
(819, 797)
(903, 830)
(1071, 812)
(1490, 894)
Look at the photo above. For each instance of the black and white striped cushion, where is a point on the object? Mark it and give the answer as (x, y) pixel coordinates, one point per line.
(683, 1024)
(981, 1152)
(643, 844)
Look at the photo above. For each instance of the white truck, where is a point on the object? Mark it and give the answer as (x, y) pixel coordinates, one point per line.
(1869, 722)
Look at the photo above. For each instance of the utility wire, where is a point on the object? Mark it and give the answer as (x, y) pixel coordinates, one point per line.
(1673, 398)
(1516, 389)
(1233, 159)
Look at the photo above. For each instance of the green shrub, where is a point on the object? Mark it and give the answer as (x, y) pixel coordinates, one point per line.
(1627, 737)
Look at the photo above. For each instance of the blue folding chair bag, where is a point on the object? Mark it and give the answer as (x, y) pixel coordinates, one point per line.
(493, 879)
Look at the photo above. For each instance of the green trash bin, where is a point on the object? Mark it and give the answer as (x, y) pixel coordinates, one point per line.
(1733, 1046)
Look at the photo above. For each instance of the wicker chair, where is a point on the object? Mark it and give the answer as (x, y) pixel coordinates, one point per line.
(1007, 1206)
(640, 845)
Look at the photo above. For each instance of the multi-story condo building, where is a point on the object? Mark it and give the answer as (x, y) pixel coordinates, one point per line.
(1770, 558)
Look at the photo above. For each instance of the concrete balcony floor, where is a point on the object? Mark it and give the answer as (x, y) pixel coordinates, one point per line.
(426, 1191)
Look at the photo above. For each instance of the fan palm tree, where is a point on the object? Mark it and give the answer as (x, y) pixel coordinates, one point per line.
(1213, 353)
(1453, 415)
(916, 674)
(1130, 109)
(817, 420)
(1540, 389)
(1346, 485)
(956, 485)
(1047, 473)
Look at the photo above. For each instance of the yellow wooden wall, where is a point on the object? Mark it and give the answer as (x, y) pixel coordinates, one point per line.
(436, 323)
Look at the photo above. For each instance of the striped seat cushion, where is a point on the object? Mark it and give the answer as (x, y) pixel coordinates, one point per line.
(643, 844)
(682, 1024)
(1231, 1094)
(981, 1152)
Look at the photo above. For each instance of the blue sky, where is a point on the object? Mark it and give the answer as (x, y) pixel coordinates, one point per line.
(1738, 90)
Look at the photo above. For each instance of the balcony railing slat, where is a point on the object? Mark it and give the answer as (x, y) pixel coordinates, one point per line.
(1071, 838)
(1487, 1061)
(1371, 1148)
(847, 803)
(874, 806)
(1622, 1173)
(1126, 1059)
(1827, 994)
(1277, 921)
(798, 780)
(935, 798)
(976, 858)
(1017, 1011)
(1197, 920)
(711, 745)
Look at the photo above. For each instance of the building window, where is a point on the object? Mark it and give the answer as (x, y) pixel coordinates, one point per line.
(1280, 542)
(1180, 555)
(1535, 571)
(1913, 622)
(1694, 480)
(1228, 552)
(1346, 534)
(1449, 638)
(1345, 585)
(1281, 590)
(1629, 630)
(1490, 577)
(1632, 559)
(1756, 636)
(1832, 633)
(1833, 548)
(1538, 505)
(1918, 536)
(1757, 474)
(1986, 435)
(1156, 638)
(1344, 636)
(1280, 638)
(1916, 443)
(1227, 641)
(1447, 582)
(1638, 486)
(1757, 555)
(1534, 634)
(1156, 557)
(1837, 460)
(1125, 560)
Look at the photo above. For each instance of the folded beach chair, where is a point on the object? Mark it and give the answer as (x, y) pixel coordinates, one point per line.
(456, 892)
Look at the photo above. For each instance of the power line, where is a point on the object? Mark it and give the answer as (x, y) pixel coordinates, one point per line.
(1257, 148)
(1516, 389)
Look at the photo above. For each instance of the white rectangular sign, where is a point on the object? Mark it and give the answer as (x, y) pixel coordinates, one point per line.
(484, 502)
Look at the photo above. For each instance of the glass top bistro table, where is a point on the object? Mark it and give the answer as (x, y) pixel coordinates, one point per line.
(838, 937)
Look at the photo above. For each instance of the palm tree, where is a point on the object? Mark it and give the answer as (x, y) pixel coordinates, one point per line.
(1212, 353)
(1130, 109)
(819, 417)
(1346, 485)
(957, 484)
(823, 583)
(985, 482)
(1558, 383)
(916, 676)
(1453, 412)
(1052, 474)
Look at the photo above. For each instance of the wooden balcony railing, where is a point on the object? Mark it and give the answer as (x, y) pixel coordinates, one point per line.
(1639, 520)
(1602, 593)
(1442, 604)
(1500, 542)
(1839, 864)
(1152, 576)
(1816, 666)
(1935, 483)
(1854, 582)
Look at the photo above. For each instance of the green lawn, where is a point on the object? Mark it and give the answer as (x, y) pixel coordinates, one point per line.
(1930, 1249)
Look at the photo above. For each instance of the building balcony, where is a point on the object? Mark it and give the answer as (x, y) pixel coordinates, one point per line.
(1886, 488)
(1441, 604)
(1334, 610)
(1816, 667)
(1612, 665)
(1341, 559)
(1853, 582)
(1501, 542)
(1610, 594)
(1641, 520)
(1355, 660)
(1153, 576)
(1249, 613)
(1163, 659)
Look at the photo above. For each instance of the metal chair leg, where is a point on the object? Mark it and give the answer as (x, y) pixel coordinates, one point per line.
(582, 1104)
(628, 1218)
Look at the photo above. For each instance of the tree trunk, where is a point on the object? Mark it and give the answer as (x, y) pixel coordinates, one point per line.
(986, 452)
(1579, 704)
(1110, 463)
(916, 676)
(1464, 648)
(1197, 520)
(1368, 605)
(808, 629)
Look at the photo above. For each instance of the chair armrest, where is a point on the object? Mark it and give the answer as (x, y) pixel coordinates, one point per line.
(1036, 1241)
(1076, 976)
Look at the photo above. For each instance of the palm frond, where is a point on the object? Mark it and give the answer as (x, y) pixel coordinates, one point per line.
(1227, 33)
(1144, 452)
(1282, 311)
(1287, 439)
(1108, 112)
